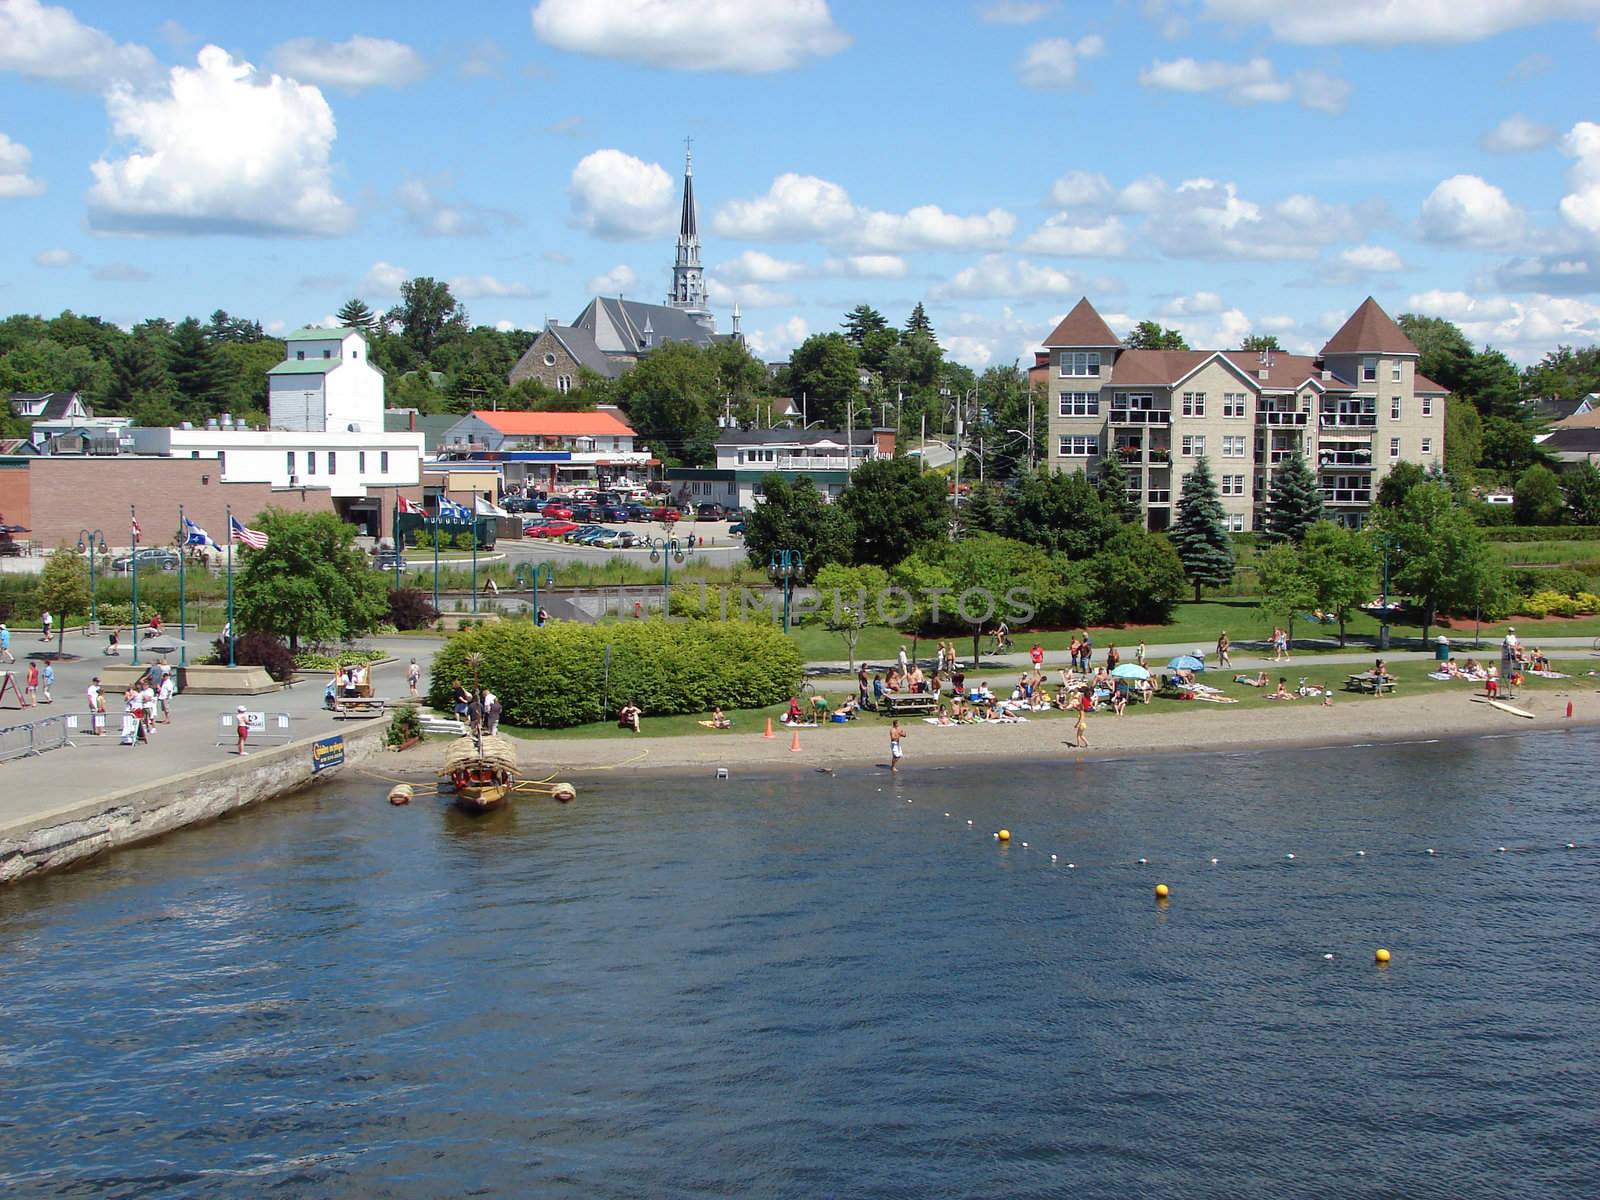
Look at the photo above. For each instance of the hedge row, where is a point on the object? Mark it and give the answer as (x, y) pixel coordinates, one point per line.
(1563, 580)
(555, 677)
(1543, 533)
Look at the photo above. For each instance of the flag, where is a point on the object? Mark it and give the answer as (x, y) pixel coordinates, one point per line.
(450, 511)
(239, 532)
(407, 506)
(193, 535)
(135, 531)
(487, 508)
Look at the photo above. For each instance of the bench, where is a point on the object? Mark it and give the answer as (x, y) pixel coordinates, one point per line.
(1369, 683)
(895, 703)
(358, 706)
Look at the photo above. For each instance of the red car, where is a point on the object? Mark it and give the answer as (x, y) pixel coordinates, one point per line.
(665, 513)
(553, 529)
(560, 511)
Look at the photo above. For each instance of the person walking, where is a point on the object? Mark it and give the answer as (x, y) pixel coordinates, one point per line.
(1037, 655)
(30, 694)
(1081, 731)
(130, 717)
(47, 679)
(5, 643)
(897, 735)
(45, 621)
(413, 675)
(1222, 650)
(113, 640)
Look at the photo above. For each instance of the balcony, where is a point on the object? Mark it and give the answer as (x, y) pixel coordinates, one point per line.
(1359, 460)
(1349, 420)
(817, 462)
(1347, 495)
(1271, 417)
(1141, 416)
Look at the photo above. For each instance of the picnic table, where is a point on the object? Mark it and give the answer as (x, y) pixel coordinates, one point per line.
(345, 707)
(1366, 681)
(895, 703)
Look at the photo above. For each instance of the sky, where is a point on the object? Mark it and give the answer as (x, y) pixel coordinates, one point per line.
(1221, 166)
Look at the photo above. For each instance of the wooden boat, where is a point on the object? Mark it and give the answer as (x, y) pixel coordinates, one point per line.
(482, 771)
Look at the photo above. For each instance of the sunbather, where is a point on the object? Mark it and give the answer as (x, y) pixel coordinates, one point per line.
(1282, 692)
(1258, 680)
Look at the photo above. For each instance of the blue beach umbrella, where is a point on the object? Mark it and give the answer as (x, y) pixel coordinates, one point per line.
(1130, 671)
(1186, 662)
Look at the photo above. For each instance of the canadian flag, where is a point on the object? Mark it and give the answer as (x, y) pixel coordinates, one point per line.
(136, 533)
(408, 506)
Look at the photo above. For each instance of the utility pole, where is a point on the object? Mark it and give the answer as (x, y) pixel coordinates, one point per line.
(1030, 431)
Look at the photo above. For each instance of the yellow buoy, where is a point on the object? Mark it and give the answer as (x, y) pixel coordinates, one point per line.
(1382, 955)
(1161, 891)
(1004, 835)
(565, 793)
(400, 794)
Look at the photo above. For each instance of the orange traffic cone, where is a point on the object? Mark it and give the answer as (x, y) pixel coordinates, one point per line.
(768, 733)
(794, 741)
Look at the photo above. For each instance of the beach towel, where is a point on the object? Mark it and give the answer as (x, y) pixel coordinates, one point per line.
(1549, 674)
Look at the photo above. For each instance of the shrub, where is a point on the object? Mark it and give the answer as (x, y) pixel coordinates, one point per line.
(1560, 580)
(404, 726)
(464, 541)
(1543, 533)
(554, 677)
(258, 650)
(411, 609)
(310, 660)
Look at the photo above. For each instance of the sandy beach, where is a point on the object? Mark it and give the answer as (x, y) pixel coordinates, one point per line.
(1353, 721)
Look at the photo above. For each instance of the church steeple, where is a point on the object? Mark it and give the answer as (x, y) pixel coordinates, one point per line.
(688, 277)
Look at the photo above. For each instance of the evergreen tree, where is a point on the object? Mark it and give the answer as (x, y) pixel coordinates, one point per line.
(919, 323)
(1294, 503)
(138, 371)
(196, 370)
(983, 512)
(1111, 482)
(354, 314)
(1201, 531)
(860, 321)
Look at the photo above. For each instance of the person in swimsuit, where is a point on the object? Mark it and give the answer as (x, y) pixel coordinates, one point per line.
(896, 752)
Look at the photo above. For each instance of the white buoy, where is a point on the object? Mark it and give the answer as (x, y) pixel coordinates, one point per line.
(1070, 866)
(1143, 862)
(1361, 853)
(1024, 845)
(1052, 858)
(1213, 862)
(1499, 849)
(947, 814)
(1430, 851)
(1571, 846)
(1288, 856)
(969, 822)
(1329, 957)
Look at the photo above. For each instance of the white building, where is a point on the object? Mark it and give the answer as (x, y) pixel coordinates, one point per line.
(325, 384)
(346, 464)
(548, 449)
(747, 456)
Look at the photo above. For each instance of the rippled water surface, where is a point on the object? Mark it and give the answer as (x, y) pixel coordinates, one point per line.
(810, 987)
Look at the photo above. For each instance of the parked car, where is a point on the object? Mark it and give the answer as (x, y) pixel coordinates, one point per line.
(582, 533)
(154, 558)
(709, 512)
(608, 538)
(615, 512)
(555, 529)
(586, 512)
(388, 560)
(737, 529)
(557, 511)
(665, 513)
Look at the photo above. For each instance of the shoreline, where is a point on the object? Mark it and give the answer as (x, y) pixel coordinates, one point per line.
(1356, 723)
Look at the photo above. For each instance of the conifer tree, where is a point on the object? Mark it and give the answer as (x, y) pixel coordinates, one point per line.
(196, 370)
(918, 322)
(1200, 533)
(983, 510)
(1111, 482)
(354, 314)
(861, 321)
(1294, 503)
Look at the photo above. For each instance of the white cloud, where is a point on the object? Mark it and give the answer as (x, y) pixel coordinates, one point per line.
(1053, 63)
(1524, 329)
(867, 266)
(798, 207)
(1202, 218)
(980, 338)
(56, 257)
(475, 287)
(1372, 258)
(621, 280)
(1059, 235)
(1143, 195)
(46, 42)
(384, 278)
(693, 35)
(1253, 82)
(505, 326)
(219, 150)
(1383, 23)
(362, 62)
(997, 275)
(1580, 207)
(1014, 12)
(1470, 211)
(755, 267)
(14, 178)
(432, 215)
(1518, 133)
(1088, 189)
(122, 273)
(777, 342)
(745, 295)
(1219, 331)
(617, 196)
(1195, 304)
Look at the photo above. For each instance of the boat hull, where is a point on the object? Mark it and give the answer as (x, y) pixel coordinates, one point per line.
(482, 799)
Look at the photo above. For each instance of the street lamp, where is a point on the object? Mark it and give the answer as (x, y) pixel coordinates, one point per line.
(784, 567)
(93, 544)
(1385, 544)
(666, 551)
(529, 575)
(1022, 434)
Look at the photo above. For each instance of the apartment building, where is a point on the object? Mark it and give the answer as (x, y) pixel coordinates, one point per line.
(1353, 411)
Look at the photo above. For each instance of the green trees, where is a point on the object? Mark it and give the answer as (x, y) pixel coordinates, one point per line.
(919, 324)
(980, 580)
(64, 588)
(669, 398)
(1200, 532)
(1258, 342)
(1564, 373)
(984, 512)
(1286, 589)
(195, 369)
(1581, 488)
(428, 314)
(310, 583)
(1397, 484)
(1339, 565)
(894, 507)
(1136, 577)
(1508, 445)
(1294, 503)
(1437, 552)
(354, 314)
(1060, 512)
(1463, 436)
(795, 516)
(1539, 498)
(1111, 485)
(824, 370)
(860, 321)
(1149, 335)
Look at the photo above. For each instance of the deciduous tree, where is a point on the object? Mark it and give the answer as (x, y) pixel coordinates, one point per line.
(1581, 486)
(795, 516)
(1060, 511)
(1438, 554)
(428, 315)
(64, 588)
(894, 507)
(1149, 335)
(1539, 498)
(311, 583)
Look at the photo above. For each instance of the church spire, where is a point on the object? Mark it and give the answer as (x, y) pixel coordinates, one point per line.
(688, 277)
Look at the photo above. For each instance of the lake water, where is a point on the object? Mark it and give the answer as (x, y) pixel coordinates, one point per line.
(808, 986)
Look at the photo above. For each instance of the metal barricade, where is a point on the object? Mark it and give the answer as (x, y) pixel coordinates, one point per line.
(263, 726)
(53, 733)
(16, 741)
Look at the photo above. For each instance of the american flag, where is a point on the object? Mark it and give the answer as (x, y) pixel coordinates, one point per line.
(239, 532)
(408, 506)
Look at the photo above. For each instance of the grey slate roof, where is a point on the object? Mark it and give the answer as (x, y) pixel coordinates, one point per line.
(632, 321)
(791, 437)
(580, 343)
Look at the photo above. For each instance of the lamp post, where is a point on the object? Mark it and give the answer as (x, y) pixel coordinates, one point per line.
(133, 570)
(183, 612)
(529, 575)
(1385, 545)
(95, 544)
(667, 550)
(1021, 434)
(784, 566)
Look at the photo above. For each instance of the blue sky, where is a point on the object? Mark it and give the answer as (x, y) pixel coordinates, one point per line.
(1224, 166)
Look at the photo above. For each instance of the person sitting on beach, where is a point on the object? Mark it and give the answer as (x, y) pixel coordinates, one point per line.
(935, 684)
(628, 717)
(718, 721)
(1119, 698)
(1282, 692)
(958, 679)
(916, 680)
(1260, 679)
(1183, 677)
(846, 711)
(942, 716)
(1380, 671)
(1538, 660)
(794, 716)
(891, 682)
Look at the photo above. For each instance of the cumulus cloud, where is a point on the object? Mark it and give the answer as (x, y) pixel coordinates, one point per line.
(56, 257)
(1053, 63)
(1088, 189)
(1204, 218)
(799, 207)
(621, 280)
(361, 62)
(1467, 210)
(1580, 207)
(1518, 133)
(1061, 235)
(981, 338)
(475, 287)
(1253, 82)
(220, 149)
(434, 216)
(14, 178)
(999, 275)
(693, 35)
(122, 273)
(617, 196)
(755, 267)
(1525, 329)
(1144, 195)
(41, 41)
(384, 278)
(777, 342)
(1014, 12)
(746, 295)
(1383, 23)
(1371, 258)
(867, 266)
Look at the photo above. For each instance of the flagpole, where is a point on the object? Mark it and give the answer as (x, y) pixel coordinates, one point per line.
(399, 542)
(438, 516)
(133, 567)
(474, 527)
(230, 584)
(183, 545)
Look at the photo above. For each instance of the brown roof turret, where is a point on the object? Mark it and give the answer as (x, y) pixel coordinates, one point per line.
(1369, 330)
(1083, 327)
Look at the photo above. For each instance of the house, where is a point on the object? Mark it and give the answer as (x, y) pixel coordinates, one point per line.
(1353, 411)
(745, 457)
(549, 449)
(50, 406)
(1555, 410)
(325, 384)
(432, 426)
(1571, 445)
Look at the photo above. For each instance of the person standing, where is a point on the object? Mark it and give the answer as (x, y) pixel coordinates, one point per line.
(490, 704)
(1037, 655)
(1222, 650)
(903, 668)
(897, 736)
(45, 621)
(46, 680)
(1082, 730)
(864, 685)
(1138, 655)
(164, 696)
(413, 675)
(130, 717)
(5, 643)
(97, 707)
(1113, 659)
(242, 725)
(30, 694)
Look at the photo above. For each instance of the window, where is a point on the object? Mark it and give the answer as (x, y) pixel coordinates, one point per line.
(563, 384)
(1369, 370)
(549, 359)
(1232, 485)
(300, 354)
(1427, 406)
(1233, 404)
(1079, 447)
(1394, 408)
(1427, 445)
(1394, 373)
(361, 462)
(291, 462)
(1193, 446)
(1079, 404)
(1080, 362)
(311, 462)
(1233, 446)
(222, 461)
(333, 462)
(355, 354)
(1236, 522)
(1194, 404)
(1394, 447)
(383, 462)
(327, 354)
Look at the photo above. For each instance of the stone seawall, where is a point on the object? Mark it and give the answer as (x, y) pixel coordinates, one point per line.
(82, 829)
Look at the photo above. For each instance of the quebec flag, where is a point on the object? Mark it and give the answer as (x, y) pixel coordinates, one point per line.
(193, 535)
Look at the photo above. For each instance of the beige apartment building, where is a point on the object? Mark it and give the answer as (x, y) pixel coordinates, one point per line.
(1354, 410)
